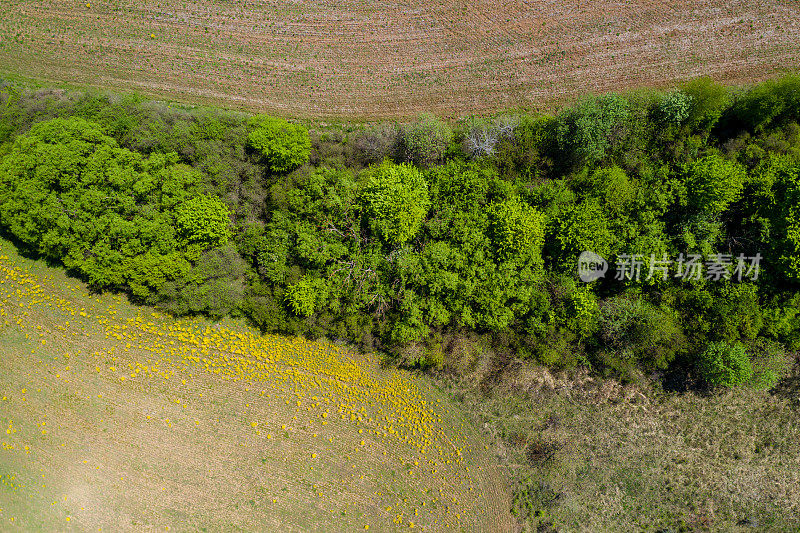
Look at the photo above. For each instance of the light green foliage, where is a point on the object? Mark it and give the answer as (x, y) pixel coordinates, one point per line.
(586, 130)
(305, 296)
(581, 227)
(72, 194)
(708, 101)
(725, 364)
(713, 182)
(612, 186)
(395, 200)
(284, 146)
(782, 321)
(518, 230)
(675, 107)
(425, 141)
(584, 310)
(203, 220)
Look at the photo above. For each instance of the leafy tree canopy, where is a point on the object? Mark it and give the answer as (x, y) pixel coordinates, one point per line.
(283, 145)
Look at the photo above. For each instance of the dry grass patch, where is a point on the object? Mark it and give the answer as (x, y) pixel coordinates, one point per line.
(592, 455)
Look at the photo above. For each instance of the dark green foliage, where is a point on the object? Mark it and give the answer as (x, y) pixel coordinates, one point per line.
(770, 103)
(284, 146)
(725, 364)
(215, 285)
(635, 334)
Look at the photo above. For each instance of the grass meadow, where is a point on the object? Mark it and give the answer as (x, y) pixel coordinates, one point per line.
(117, 417)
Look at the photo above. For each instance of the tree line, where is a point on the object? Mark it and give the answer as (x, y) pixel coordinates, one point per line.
(430, 240)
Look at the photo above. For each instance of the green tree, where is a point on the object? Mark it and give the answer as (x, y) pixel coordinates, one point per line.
(203, 220)
(518, 230)
(307, 295)
(708, 101)
(578, 228)
(674, 108)
(588, 129)
(768, 103)
(284, 146)
(714, 183)
(72, 194)
(395, 200)
(635, 331)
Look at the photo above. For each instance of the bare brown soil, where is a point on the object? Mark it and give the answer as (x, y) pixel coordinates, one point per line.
(357, 58)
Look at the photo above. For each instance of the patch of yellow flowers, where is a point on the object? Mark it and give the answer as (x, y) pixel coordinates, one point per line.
(326, 380)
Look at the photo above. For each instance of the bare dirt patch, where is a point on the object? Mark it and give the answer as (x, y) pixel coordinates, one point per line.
(355, 59)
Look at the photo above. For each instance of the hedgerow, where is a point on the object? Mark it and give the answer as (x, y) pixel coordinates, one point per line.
(392, 236)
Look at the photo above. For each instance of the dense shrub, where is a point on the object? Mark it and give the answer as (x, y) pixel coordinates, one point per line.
(477, 237)
(518, 230)
(588, 130)
(772, 102)
(674, 108)
(203, 220)
(305, 296)
(708, 102)
(725, 364)
(579, 228)
(636, 334)
(284, 146)
(771, 363)
(72, 194)
(714, 183)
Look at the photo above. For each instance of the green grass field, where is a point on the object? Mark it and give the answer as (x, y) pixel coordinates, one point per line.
(119, 418)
